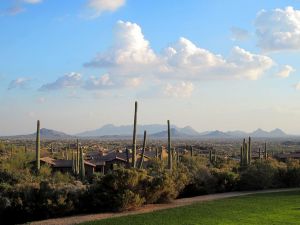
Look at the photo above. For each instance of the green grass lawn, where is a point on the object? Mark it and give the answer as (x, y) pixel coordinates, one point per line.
(261, 209)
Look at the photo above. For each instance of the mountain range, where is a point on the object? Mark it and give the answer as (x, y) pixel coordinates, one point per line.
(159, 131)
(127, 130)
(155, 131)
(45, 133)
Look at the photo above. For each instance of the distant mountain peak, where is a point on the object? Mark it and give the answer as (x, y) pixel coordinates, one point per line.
(45, 134)
(126, 130)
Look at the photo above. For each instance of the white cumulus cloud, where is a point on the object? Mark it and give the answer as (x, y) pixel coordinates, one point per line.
(131, 55)
(189, 61)
(100, 6)
(101, 82)
(70, 80)
(285, 71)
(130, 50)
(278, 29)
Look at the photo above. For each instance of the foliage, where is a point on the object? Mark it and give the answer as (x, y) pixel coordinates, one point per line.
(35, 195)
(259, 175)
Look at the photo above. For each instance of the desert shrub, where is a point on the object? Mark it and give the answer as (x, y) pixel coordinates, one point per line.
(96, 177)
(200, 179)
(292, 174)
(201, 182)
(155, 167)
(37, 201)
(126, 189)
(259, 175)
(9, 177)
(45, 172)
(226, 180)
(59, 178)
(119, 190)
(166, 186)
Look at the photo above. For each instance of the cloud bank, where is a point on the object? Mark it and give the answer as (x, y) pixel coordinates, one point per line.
(130, 61)
(131, 54)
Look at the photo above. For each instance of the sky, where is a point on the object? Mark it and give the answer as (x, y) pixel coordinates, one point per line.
(214, 65)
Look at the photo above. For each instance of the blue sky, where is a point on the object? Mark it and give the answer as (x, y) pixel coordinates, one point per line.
(77, 65)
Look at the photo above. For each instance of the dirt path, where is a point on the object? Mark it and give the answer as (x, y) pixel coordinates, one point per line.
(150, 208)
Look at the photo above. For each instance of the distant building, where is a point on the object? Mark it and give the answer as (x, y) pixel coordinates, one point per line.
(286, 156)
(108, 161)
(65, 166)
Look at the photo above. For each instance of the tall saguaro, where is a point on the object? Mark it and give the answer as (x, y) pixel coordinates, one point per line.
(77, 157)
(169, 147)
(82, 169)
(73, 162)
(134, 136)
(249, 151)
(143, 150)
(38, 147)
(266, 153)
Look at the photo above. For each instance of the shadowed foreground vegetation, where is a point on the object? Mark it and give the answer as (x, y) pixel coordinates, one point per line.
(266, 209)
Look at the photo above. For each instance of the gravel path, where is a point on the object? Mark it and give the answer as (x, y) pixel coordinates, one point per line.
(150, 208)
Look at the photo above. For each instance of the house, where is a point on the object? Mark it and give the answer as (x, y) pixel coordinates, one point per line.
(286, 156)
(65, 166)
(106, 161)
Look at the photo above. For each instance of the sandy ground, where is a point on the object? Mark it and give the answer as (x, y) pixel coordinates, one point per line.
(149, 208)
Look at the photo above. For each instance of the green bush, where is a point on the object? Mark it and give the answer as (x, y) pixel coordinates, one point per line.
(225, 180)
(292, 174)
(200, 179)
(259, 175)
(37, 201)
(118, 190)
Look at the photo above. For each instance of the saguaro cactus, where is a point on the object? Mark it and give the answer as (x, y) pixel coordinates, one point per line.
(191, 151)
(249, 151)
(73, 162)
(210, 156)
(245, 153)
(134, 135)
(67, 152)
(38, 147)
(82, 169)
(241, 156)
(266, 153)
(161, 153)
(215, 156)
(143, 150)
(156, 152)
(169, 147)
(259, 153)
(77, 157)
